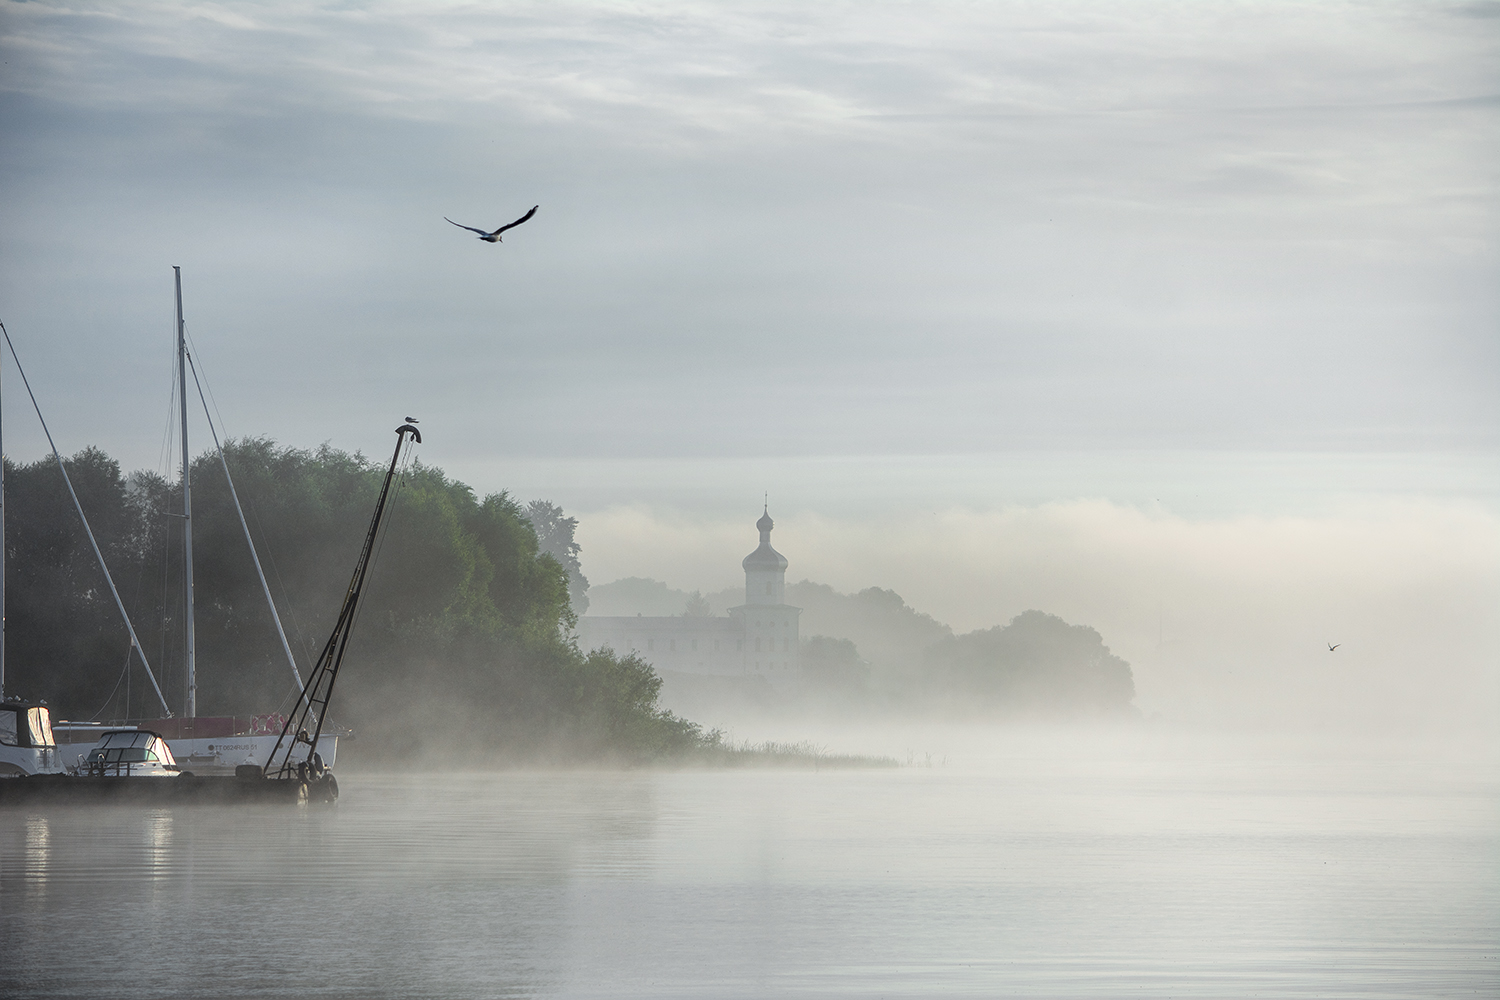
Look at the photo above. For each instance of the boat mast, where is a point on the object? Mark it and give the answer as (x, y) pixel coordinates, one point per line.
(191, 708)
(2, 546)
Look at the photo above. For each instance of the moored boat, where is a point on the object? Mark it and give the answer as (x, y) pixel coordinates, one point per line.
(204, 744)
(129, 753)
(276, 762)
(26, 742)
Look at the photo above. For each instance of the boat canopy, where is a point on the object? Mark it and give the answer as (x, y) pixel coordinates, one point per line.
(129, 746)
(26, 726)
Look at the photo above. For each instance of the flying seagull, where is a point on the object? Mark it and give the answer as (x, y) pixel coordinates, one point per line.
(412, 420)
(1334, 645)
(495, 236)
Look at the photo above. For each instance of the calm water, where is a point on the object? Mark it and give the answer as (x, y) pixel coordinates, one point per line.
(1157, 871)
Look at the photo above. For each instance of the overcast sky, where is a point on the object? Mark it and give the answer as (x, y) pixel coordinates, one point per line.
(881, 260)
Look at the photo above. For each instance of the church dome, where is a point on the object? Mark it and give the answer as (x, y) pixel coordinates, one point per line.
(765, 557)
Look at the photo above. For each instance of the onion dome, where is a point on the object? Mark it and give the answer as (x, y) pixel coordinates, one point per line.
(765, 557)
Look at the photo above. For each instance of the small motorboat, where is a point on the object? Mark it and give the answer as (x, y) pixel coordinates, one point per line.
(130, 753)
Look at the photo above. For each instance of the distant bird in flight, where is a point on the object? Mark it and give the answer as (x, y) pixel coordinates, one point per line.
(1334, 645)
(495, 236)
(412, 420)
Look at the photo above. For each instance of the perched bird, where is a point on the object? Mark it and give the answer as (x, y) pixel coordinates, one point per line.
(495, 236)
(1334, 645)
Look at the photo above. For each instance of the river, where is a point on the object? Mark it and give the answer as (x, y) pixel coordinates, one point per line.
(1053, 866)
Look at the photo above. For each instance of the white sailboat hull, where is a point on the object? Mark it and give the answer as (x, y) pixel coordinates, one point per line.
(207, 755)
(221, 755)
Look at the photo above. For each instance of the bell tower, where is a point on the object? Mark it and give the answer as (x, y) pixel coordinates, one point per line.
(765, 568)
(771, 627)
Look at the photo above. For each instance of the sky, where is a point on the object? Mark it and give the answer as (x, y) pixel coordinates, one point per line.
(1003, 304)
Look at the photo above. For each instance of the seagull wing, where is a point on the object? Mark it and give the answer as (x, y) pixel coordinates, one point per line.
(471, 229)
(516, 223)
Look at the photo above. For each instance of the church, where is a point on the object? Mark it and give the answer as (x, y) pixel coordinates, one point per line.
(757, 639)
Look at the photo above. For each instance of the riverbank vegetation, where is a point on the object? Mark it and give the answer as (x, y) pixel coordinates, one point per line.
(463, 646)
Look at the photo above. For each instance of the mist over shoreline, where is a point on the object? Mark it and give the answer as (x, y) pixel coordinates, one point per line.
(1224, 622)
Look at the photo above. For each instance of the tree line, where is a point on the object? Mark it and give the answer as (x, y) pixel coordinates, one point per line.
(463, 644)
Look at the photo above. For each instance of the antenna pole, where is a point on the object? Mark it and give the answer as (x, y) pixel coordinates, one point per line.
(190, 710)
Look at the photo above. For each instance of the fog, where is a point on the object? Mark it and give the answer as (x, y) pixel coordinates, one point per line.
(1224, 621)
(1173, 321)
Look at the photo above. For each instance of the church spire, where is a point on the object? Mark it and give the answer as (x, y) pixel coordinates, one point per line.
(765, 568)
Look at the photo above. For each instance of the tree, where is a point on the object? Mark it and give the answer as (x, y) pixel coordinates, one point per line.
(464, 641)
(1037, 662)
(554, 533)
(697, 606)
(833, 667)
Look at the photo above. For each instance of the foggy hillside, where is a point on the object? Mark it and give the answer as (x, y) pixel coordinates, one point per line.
(871, 651)
(891, 635)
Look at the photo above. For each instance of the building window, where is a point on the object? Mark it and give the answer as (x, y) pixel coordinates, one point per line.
(768, 587)
(783, 645)
(650, 644)
(716, 645)
(757, 645)
(739, 645)
(672, 645)
(695, 643)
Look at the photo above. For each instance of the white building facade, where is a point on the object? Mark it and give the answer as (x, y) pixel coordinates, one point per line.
(757, 639)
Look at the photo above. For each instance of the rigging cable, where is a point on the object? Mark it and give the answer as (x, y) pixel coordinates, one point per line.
(275, 570)
(234, 495)
(134, 642)
(110, 697)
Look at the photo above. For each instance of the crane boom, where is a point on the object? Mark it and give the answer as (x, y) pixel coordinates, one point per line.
(312, 703)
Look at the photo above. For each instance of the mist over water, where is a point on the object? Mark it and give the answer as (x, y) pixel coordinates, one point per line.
(1173, 321)
(1042, 863)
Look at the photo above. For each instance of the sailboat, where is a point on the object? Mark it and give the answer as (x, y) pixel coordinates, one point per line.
(200, 744)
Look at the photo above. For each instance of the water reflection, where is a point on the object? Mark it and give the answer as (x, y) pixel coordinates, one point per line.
(37, 855)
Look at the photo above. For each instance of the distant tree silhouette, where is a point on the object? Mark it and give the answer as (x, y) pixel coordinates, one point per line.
(554, 533)
(1037, 662)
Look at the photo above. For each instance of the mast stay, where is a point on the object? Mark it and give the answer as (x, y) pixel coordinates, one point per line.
(255, 556)
(134, 642)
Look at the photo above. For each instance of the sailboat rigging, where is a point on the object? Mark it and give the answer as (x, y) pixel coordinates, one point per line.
(62, 467)
(207, 744)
